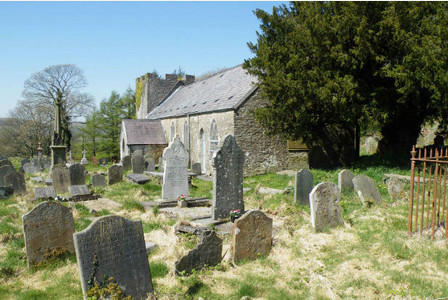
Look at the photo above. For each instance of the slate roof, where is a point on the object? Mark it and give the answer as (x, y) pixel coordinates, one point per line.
(223, 91)
(144, 132)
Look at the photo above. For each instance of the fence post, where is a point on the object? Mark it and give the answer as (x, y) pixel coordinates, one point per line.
(411, 198)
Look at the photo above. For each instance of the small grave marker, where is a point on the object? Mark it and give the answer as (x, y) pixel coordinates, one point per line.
(345, 180)
(114, 174)
(324, 206)
(98, 180)
(303, 185)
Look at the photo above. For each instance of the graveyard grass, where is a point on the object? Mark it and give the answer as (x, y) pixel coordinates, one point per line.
(369, 257)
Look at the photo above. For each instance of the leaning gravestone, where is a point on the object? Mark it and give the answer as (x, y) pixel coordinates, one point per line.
(175, 176)
(207, 253)
(98, 180)
(324, 206)
(126, 162)
(44, 193)
(5, 170)
(30, 168)
(78, 190)
(395, 187)
(252, 236)
(114, 174)
(114, 246)
(77, 174)
(61, 178)
(49, 226)
(345, 180)
(366, 190)
(302, 186)
(138, 164)
(227, 179)
(196, 168)
(15, 180)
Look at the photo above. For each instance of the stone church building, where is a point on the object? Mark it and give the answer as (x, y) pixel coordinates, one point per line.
(203, 112)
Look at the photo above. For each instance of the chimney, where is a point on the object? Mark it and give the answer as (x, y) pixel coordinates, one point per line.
(188, 79)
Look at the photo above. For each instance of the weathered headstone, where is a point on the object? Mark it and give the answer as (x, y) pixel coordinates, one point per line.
(114, 174)
(44, 193)
(5, 170)
(49, 226)
(126, 162)
(366, 189)
(113, 246)
(15, 180)
(227, 179)
(24, 161)
(324, 206)
(77, 174)
(371, 145)
(98, 180)
(150, 164)
(61, 178)
(395, 187)
(252, 236)
(137, 152)
(78, 190)
(30, 168)
(175, 176)
(138, 164)
(345, 180)
(196, 168)
(303, 185)
(207, 253)
(138, 178)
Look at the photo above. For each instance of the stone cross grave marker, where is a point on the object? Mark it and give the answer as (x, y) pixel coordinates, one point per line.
(61, 178)
(77, 174)
(46, 227)
(114, 174)
(5, 170)
(126, 162)
(98, 180)
(366, 189)
(138, 164)
(84, 159)
(324, 206)
(252, 236)
(303, 185)
(16, 180)
(44, 193)
(175, 176)
(227, 179)
(114, 246)
(345, 180)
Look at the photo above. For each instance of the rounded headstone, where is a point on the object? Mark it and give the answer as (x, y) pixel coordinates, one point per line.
(324, 206)
(302, 186)
(114, 174)
(366, 189)
(98, 180)
(77, 174)
(345, 180)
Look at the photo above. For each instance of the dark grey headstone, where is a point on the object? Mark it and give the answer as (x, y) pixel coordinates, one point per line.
(366, 189)
(207, 253)
(345, 180)
(196, 168)
(302, 186)
(114, 174)
(5, 170)
(126, 162)
(61, 178)
(48, 226)
(30, 168)
(175, 175)
(138, 164)
(79, 190)
(324, 206)
(114, 246)
(227, 179)
(16, 180)
(77, 174)
(138, 178)
(98, 180)
(44, 193)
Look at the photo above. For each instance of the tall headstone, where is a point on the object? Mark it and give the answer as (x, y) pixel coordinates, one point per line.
(302, 186)
(5, 170)
(58, 147)
(366, 189)
(77, 174)
(345, 180)
(61, 178)
(126, 162)
(138, 164)
(114, 246)
(98, 180)
(175, 176)
(252, 236)
(16, 180)
(114, 174)
(46, 227)
(227, 179)
(324, 206)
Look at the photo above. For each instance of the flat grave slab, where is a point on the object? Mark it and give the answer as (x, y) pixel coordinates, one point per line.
(46, 193)
(138, 178)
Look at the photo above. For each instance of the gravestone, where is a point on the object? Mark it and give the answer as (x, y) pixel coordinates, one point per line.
(46, 162)
(61, 178)
(114, 246)
(47, 227)
(345, 180)
(227, 179)
(77, 174)
(175, 176)
(126, 162)
(37, 179)
(303, 185)
(395, 187)
(324, 206)
(5, 170)
(138, 178)
(5, 192)
(78, 190)
(150, 164)
(84, 159)
(30, 168)
(207, 253)
(138, 164)
(98, 180)
(16, 180)
(45, 193)
(137, 152)
(114, 174)
(196, 169)
(252, 236)
(366, 189)
(371, 145)
(24, 161)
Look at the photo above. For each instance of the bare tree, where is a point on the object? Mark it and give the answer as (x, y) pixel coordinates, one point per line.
(62, 83)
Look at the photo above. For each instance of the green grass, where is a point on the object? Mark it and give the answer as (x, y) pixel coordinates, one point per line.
(133, 205)
(158, 269)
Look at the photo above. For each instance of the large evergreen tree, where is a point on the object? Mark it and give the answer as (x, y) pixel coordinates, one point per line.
(328, 69)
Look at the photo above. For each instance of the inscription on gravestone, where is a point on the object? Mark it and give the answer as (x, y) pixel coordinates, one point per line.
(61, 178)
(175, 176)
(46, 227)
(114, 246)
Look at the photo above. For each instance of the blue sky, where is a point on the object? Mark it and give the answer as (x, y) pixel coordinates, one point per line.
(116, 42)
